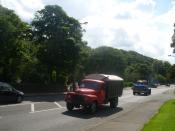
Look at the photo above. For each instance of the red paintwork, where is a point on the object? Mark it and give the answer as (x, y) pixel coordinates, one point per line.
(90, 94)
(85, 91)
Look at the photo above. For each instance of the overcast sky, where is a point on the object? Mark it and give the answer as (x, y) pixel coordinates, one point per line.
(145, 26)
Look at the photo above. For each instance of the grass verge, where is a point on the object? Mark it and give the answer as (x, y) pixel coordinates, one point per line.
(164, 120)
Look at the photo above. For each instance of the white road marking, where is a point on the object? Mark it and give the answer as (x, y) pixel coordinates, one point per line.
(14, 105)
(47, 110)
(32, 107)
(58, 105)
(0, 117)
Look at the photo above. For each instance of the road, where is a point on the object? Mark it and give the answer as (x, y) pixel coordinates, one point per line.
(48, 113)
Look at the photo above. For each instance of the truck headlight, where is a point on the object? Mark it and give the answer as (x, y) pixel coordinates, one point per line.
(68, 96)
(86, 98)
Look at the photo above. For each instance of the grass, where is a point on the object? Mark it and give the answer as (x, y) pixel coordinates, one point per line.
(164, 120)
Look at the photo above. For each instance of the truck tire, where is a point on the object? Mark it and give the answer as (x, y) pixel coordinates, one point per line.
(69, 106)
(134, 93)
(114, 103)
(93, 108)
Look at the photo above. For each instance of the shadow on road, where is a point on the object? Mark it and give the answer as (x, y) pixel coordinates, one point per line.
(141, 95)
(47, 98)
(39, 98)
(103, 111)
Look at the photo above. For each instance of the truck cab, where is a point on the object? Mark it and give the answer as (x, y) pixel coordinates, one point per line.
(94, 90)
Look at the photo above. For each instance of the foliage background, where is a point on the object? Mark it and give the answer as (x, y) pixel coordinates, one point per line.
(50, 51)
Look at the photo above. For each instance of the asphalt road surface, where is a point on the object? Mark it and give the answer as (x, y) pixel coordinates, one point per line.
(48, 113)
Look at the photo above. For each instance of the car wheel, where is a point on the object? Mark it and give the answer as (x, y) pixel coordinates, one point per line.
(19, 99)
(93, 108)
(69, 106)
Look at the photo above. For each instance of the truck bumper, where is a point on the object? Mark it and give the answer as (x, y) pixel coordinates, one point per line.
(140, 91)
(78, 100)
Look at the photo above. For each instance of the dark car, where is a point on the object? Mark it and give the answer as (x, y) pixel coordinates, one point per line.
(153, 85)
(10, 94)
(167, 84)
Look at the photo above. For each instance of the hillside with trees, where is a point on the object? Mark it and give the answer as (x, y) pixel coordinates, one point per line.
(50, 50)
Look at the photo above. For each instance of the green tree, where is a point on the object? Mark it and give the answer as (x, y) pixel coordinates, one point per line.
(171, 74)
(173, 41)
(106, 60)
(137, 71)
(161, 79)
(13, 33)
(161, 68)
(60, 38)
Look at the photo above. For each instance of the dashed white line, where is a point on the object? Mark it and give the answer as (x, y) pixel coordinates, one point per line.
(14, 105)
(0, 117)
(32, 107)
(58, 105)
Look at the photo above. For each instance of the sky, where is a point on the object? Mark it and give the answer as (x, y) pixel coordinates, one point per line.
(144, 26)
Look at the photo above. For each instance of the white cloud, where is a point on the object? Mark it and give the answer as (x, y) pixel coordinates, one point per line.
(24, 8)
(146, 2)
(125, 25)
(142, 31)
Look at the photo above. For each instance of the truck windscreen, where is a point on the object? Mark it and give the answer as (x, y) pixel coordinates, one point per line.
(90, 85)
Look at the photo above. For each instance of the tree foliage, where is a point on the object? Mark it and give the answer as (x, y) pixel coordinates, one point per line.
(138, 71)
(173, 41)
(106, 60)
(51, 50)
(13, 51)
(60, 37)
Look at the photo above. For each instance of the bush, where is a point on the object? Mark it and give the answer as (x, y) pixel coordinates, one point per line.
(128, 84)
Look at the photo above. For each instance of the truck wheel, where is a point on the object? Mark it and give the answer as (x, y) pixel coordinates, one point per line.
(134, 93)
(69, 106)
(93, 108)
(114, 103)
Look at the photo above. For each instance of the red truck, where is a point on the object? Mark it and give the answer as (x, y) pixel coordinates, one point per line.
(94, 90)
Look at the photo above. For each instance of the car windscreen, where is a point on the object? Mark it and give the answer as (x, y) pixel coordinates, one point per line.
(90, 85)
(6, 87)
(140, 85)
